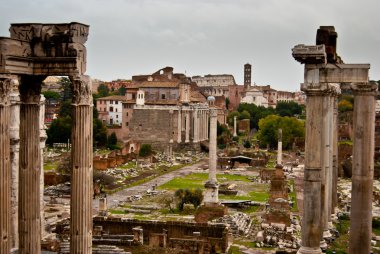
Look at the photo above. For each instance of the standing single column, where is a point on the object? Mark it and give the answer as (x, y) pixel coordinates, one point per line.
(15, 149)
(5, 166)
(279, 147)
(208, 117)
(179, 129)
(201, 125)
(30, 166)
(362, 168)
(187, 136)
(82, 171)
(211, 193)
(311, 230)
(235, 127)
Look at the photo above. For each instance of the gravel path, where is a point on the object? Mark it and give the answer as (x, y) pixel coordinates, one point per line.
(113, 199)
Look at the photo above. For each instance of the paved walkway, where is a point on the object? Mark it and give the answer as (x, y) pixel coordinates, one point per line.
(113, 199)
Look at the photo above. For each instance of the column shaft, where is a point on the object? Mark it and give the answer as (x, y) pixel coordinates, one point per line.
(335, 155)
(30, 166)
(311, 221)
(179, 129)
(82, 171)
(362, 168)
(5, 168)
(187, 132)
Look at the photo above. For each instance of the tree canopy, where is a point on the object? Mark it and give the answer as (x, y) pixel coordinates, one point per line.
(103, 90)
(256, 113)
(290, 108)
(291, 128)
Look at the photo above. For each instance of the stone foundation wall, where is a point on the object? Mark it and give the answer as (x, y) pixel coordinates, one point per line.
(213, 236)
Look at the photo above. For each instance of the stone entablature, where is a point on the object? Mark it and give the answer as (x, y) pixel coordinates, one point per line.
(44, 49)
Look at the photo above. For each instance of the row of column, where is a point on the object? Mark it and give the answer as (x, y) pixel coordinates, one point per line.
(30, 164)
(194, 123)
(321, 169)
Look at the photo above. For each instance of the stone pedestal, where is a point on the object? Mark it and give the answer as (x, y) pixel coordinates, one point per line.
(5, 166)
(362, 168)
(279, 147)
(82, 170)
(30, 166)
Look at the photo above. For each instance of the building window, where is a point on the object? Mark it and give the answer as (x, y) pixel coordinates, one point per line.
(116, 102)
(126, 124)
(111, 102)
(117, 116)
(127, 114)
(111, 109)
(115, 109)
(133, 96)
(163, 96)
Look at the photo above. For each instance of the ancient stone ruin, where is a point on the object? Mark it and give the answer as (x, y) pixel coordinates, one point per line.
(31, 53)
(325, 76)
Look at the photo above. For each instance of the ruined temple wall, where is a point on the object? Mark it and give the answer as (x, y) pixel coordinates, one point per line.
(117, 226)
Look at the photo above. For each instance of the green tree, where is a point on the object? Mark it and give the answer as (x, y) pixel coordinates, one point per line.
(66, 87)
(145, 150)
(59, 130)
(112, 141)
(51, 95)
(245, 115)
(228, 103)
(291, 108)
(230, 117)
(103, 90)
(122, 90)
(291, 128)
(188, 196)
(344, 106)
(256, 113)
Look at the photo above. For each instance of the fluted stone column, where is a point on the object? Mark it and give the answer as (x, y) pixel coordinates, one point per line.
(207, 117)
(82, 170)
(335, 155)
(179, 139)
(43, 137)
(15, 149)
(362, 168)
(326, 179)
(311, 230)
(187, 132)
(234, 127)
(30, 166)
(5, 166)
(211, 194)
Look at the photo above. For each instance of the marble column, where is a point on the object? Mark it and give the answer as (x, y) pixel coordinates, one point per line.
(82, 170)
(208, 116)
(362, 167)
(325, 184)
(179, 129)
(279, 147)
(187, 132)
(30, 166)
(195, 129)
(43, 137)
(15, 149)
(311, 219)
(5, 166)
(335, 155)
(211, 193)
(234, 127)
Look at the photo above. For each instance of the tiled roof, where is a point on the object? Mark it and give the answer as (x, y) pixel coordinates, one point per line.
(112, 97)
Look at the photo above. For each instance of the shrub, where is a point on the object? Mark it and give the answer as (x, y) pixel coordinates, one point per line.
(187, 196)
(145, 150)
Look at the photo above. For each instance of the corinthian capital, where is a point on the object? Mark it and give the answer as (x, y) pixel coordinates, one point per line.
(30, 89)
(364, 88)
(6, 86)
(81, 86)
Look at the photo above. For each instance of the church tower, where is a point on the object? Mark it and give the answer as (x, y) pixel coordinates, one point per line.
(247, 75)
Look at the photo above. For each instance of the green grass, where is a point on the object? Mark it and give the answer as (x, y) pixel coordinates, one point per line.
(128, 165)
(340, 245)
(234, 250)
(116, 211)
(197, 180)
(51, 166)
(345, 142)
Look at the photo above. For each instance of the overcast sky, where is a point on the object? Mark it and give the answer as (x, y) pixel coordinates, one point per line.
(198, 37)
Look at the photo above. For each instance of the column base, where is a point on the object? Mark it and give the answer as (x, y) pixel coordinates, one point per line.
(308, 250)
